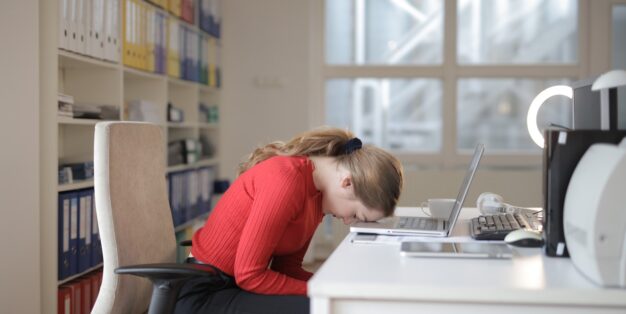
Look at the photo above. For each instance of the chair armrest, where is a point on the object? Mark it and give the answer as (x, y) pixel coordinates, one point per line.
(168, 278)
(168, 271)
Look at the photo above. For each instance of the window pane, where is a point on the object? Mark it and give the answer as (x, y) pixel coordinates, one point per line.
(397, 114)
(384, 31)
(517, 31)
(619, 58)
(493, 112)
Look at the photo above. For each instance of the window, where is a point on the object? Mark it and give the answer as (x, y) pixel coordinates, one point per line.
(436, 77)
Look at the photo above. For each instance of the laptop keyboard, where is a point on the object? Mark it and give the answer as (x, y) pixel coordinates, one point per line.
(417, 223)
(497, 226)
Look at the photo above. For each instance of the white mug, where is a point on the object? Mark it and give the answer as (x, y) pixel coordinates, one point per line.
(438, 207)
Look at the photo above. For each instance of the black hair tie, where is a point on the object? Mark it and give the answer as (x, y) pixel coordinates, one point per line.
(352, 145)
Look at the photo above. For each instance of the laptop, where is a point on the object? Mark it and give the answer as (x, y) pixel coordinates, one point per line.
(424, 226)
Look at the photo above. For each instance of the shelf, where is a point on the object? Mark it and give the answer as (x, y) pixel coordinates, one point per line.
(209, 125)
(67, 120)
(207, 162)
(72, 60)
(198, 164)
(135, 73)
(191, 222)
(70, 278)
(208, 89)
(180, 125)
(75, 185)
(183, 83)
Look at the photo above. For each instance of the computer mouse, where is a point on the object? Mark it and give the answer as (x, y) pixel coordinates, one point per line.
(524, 238)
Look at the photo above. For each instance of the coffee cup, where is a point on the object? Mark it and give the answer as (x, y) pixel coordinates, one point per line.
(438, 207)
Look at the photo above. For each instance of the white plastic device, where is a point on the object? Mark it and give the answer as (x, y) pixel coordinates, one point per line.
(594, 219)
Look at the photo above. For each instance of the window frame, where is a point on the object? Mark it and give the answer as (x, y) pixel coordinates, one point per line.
(449, 72)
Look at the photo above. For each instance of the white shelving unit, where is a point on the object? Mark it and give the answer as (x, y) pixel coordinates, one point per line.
(93, 81)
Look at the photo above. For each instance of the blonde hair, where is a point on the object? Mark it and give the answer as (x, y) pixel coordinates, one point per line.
(376, 174)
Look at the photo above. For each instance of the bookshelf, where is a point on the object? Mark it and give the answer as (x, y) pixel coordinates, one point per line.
(111, 81)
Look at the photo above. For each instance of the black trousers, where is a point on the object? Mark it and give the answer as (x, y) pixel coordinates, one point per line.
(205, 296)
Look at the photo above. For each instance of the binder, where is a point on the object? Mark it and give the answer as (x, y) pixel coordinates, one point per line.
(76, 296)
(96, 246)
(96, 39)
(115, 34)
(95, 288)
(182, 197)
(195, 36)
(81, 21)
(143, 35)
(173, 48)
(73, 259)
(64, 250)
(192, 195)
(184, 58)
(159, 46)
(212, 59)
(127, 34)
(111, 37)
(215, 19)
(203, 64)
(187, 11)
(174, 179)
(218, 65)
(203, 15)
(84, 229)
(207, 176)
(63, 24)
(64, 300)
(85, 302)
(88, 195)
(150, 36)
(72, 6)
(174, 6)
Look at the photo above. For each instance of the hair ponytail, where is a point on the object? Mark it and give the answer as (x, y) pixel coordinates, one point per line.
(318, 142)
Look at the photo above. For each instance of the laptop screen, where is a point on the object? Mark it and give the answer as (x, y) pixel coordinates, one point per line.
(454, 214)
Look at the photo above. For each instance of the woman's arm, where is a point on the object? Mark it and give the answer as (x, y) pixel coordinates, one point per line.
(277, 199)
(291, 265)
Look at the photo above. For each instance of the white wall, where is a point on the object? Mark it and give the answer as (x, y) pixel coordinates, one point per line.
(265, 58)
(19, 157)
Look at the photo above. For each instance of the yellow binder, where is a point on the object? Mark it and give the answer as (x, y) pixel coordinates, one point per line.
(173, 49)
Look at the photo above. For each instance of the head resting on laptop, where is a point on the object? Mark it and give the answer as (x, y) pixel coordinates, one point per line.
(358, 182)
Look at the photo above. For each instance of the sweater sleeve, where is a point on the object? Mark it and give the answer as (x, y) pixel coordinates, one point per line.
(277, 199)
(291, 265)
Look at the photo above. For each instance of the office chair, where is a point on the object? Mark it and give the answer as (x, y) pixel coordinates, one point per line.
(135, 221)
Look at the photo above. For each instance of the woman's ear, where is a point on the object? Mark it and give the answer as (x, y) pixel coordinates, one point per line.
(346, 181)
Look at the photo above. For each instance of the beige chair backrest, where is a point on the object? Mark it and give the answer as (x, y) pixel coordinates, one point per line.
(132, 208)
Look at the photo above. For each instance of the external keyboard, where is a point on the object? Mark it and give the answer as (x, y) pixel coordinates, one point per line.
(497, 226)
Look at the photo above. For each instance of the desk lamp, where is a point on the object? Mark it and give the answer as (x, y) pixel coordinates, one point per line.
(607, 84)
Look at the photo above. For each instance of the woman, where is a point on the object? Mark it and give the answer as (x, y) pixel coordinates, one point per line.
(259, 231)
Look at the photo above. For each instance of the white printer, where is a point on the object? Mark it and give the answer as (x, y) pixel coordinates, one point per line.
(594, 217)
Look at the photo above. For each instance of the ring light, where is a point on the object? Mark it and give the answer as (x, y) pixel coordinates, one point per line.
(531, 118)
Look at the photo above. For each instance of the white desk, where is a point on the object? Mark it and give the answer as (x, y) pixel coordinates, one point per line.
(374, 278)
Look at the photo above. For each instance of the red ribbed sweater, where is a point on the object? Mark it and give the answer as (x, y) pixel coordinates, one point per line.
(268, 215)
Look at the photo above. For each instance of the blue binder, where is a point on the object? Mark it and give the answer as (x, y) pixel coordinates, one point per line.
(96, 246)
(64, 250)
(73, 197)
(175, 197)
(84, 231)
